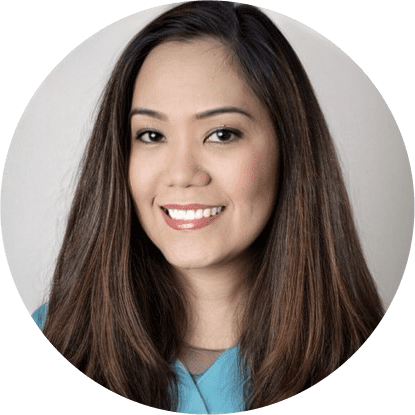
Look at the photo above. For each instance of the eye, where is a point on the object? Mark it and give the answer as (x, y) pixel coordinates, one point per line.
(150, 137)
(224, 136)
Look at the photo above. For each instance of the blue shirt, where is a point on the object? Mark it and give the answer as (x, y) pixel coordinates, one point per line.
(217, 391)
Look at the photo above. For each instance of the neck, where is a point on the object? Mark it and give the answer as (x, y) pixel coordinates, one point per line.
(216, 297)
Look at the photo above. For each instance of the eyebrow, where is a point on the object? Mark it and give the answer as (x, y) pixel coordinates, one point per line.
(222, 110)
(200, 116)
(147, 113)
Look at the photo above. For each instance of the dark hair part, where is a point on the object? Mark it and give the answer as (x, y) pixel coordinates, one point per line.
(117, 313)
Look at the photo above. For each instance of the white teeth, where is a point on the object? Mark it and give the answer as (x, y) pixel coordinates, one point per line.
(193, 214)
(190, 215)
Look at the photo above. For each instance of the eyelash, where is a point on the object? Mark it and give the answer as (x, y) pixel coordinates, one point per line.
(236, 133)
(140, 135)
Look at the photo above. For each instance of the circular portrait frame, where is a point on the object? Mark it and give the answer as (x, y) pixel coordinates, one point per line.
(361, 378)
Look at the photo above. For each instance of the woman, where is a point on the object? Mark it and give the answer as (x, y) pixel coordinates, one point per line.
(210, 241)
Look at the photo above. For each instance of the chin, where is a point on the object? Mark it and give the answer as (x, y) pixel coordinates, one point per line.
(190, 259)
(184, 262)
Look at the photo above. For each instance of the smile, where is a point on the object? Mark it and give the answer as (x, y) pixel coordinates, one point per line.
(191, 219)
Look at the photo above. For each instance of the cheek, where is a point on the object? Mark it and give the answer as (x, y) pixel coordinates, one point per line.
(257, 178)
(140, 178)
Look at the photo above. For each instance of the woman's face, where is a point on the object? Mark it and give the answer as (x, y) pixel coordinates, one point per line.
(204, 156)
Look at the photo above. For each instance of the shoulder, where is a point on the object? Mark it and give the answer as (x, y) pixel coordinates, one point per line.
(40, 315)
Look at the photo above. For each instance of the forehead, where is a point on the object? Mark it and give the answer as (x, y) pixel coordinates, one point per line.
(194, 74)
(191, 52)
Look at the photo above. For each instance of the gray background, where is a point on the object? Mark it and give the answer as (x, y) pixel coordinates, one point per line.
(38, 179)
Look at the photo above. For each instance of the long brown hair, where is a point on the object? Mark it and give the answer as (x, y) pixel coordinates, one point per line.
(115, 310)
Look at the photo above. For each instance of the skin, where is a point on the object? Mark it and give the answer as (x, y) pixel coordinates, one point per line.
(186, 162)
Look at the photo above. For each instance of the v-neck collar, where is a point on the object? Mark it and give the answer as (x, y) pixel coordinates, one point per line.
(218, 390)
(224, 355)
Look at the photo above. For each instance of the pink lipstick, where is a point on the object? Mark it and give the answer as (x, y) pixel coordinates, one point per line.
(191, 216)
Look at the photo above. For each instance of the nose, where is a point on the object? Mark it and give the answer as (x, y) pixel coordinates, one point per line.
(184, 167)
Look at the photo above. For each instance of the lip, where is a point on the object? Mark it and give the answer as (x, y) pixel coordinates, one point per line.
(189, 225)
(191, 206)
